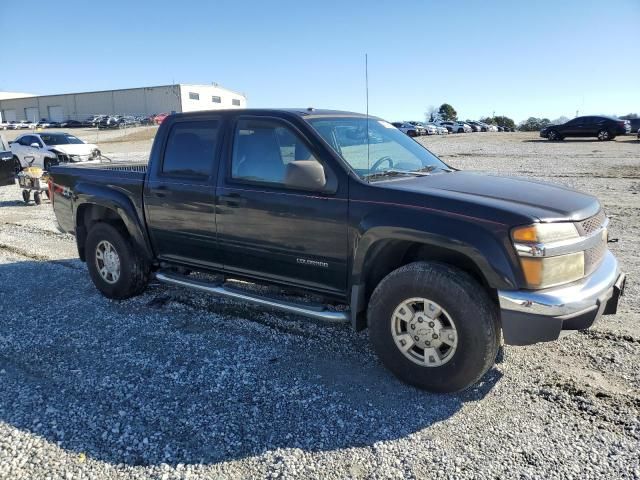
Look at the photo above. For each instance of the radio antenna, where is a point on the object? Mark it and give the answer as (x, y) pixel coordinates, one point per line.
(366, 88)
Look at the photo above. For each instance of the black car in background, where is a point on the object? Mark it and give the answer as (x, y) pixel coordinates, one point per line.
(599, 126)
(74, 124)
(634, 123)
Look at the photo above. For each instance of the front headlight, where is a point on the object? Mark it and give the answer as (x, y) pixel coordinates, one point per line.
(545, 233)
(550, 271)
(541, 250)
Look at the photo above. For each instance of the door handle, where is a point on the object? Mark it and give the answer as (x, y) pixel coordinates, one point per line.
(159, 191)
(232, 200)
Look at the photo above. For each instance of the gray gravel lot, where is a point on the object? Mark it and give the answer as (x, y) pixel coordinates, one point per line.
(172, 384)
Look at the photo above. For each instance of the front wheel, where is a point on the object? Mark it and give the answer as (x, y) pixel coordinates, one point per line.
(604, 135)
(115, 266)
(434, 326)
(553, 135)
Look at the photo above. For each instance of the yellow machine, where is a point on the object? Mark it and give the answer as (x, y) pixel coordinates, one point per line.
(33, 179)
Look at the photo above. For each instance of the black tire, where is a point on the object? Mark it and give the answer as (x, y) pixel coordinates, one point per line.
(605, 135)
(25, 196)
(37, 198)
(411, 133)
(17, 166)
(553, 135)
(461, 130)
(473, 313)
(134, 270)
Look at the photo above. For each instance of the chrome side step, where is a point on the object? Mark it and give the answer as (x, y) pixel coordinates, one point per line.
(311, 311)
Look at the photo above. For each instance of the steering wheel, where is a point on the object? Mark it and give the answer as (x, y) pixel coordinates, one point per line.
(380, 161)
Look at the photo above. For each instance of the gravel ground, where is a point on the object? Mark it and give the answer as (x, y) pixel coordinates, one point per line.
(172, 384)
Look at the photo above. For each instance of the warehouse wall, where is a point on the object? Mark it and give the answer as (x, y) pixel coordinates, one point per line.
(205, 100)
(135, 101)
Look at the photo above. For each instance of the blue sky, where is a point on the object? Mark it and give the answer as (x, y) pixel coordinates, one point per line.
(520, 59)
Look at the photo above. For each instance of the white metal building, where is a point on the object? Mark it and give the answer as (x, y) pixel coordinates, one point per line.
(131, 101)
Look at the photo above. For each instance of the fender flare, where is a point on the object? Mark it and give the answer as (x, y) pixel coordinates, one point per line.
(485, 245)
(86, 194)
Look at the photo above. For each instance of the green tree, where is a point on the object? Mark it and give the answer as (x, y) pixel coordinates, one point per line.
(533, 124)
(447, 112)
(499, 120)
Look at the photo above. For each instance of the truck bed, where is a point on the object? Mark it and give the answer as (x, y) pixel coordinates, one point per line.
(87, 179)
(138, 169)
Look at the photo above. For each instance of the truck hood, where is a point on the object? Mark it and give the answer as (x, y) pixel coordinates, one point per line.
(539, 200)
(74, 148)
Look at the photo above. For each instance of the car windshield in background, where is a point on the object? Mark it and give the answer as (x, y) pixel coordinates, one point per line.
(59, 139)
(385, 150)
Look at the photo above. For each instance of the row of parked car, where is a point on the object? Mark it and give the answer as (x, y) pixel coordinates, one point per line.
(94, 121)
(415, 129)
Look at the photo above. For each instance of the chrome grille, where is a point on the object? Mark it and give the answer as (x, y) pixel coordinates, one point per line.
(591, 224)
(593, 256)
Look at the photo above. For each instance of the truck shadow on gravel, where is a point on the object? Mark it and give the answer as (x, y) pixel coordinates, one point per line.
(175, 377)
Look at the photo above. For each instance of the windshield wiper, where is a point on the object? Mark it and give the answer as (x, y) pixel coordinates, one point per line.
(431, 168)
(392, 172)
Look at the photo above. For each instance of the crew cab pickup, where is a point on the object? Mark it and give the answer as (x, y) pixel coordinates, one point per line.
(343, 208)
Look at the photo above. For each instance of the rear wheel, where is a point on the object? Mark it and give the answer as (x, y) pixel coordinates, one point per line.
(115, 266)
(37, 198)
(434, 327)
(25, 196)
(17, 166)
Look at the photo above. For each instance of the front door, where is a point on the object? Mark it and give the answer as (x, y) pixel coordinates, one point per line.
(7, 167)
(273, 232)
(179, 195)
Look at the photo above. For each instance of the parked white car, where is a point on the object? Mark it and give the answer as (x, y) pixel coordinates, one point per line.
(46, 149)
(440, 130)
(407, 128)
(15, 125)
(456, 127)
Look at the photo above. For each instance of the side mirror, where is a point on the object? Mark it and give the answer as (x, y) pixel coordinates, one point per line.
(35, 145)
(305, 175)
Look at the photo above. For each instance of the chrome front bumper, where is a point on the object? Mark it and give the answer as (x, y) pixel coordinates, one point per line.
(540, 316)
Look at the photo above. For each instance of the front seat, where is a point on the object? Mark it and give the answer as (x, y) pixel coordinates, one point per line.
(260, 157)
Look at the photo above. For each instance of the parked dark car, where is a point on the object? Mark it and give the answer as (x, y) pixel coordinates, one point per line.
(110, 122)
(634, 124)
(8, 167)
(600, 127)
(74, 124)
(438, 263)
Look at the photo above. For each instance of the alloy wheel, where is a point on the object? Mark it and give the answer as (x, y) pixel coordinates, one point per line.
(424, 332)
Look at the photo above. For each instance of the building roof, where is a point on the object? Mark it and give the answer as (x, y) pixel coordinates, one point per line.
(25, 95)
(11, 95)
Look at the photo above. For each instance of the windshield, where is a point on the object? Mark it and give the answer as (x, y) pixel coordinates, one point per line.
(59, 139)
(389, 150)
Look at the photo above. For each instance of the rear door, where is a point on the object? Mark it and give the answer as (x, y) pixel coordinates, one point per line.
(179, 193)
(7, 169)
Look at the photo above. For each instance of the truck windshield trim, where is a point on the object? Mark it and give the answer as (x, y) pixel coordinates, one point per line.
(383, 149)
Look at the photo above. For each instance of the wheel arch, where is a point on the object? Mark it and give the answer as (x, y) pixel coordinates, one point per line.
(104, 205)
(376, 257)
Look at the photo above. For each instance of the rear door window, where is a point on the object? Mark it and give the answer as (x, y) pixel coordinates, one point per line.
(191, 149)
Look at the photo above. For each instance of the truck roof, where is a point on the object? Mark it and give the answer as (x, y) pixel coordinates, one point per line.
(301, 112)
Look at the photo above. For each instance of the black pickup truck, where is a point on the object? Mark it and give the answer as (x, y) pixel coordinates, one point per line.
(438, 263)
